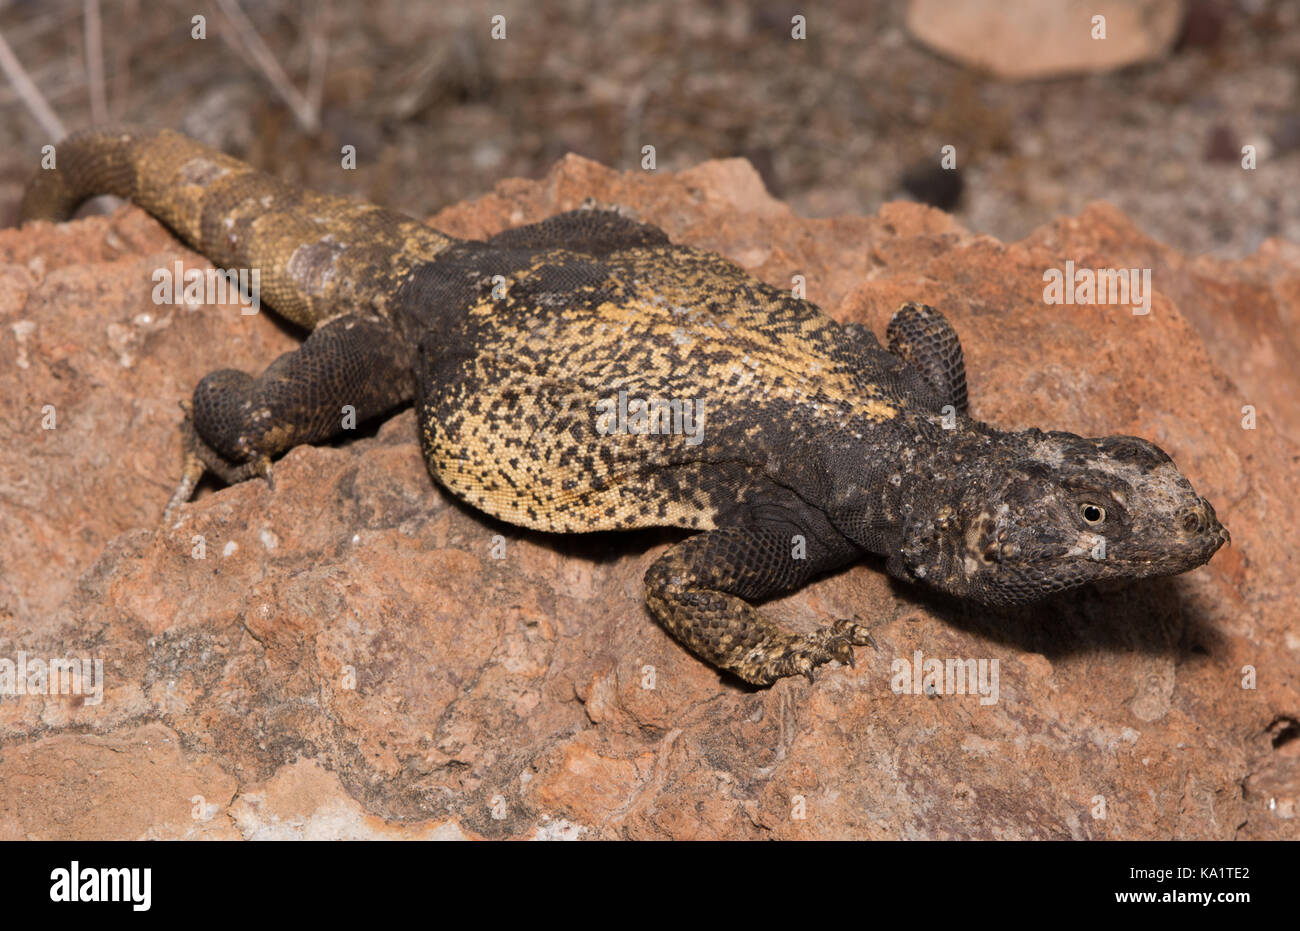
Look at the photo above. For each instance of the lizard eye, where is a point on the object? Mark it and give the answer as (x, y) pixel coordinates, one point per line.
(1092, 513)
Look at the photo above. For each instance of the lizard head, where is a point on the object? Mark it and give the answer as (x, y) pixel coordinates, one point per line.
(1039, 513)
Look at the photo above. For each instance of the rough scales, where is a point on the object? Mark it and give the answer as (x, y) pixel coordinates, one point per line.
(584, 373)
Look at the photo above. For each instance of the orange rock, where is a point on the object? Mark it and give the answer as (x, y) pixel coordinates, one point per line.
(448, 675)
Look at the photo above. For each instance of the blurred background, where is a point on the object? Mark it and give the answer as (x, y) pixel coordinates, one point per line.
(1044, 117)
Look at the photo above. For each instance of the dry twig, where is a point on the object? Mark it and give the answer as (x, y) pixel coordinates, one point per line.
(28, 93)
(304, 112)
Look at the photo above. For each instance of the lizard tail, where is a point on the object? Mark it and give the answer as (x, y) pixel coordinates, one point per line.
(316, 255)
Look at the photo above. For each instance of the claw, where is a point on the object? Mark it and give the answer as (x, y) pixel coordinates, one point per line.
(855, 632)
(263, 468)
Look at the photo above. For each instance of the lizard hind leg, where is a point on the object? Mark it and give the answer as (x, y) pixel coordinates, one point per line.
(925, 338)
(348, 370)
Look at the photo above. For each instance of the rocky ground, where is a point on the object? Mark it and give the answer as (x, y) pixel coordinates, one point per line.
(438, 111)
(348, 658)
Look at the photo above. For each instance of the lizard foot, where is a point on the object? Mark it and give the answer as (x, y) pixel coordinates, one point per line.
(200, 458)
(800, 655)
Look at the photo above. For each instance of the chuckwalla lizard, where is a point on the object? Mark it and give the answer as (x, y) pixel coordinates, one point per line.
(812, 446)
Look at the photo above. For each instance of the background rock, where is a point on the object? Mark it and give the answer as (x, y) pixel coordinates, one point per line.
(1046, 38)
(349, 660)
(439, 112)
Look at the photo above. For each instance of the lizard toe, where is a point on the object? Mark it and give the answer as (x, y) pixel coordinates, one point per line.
(857, 634)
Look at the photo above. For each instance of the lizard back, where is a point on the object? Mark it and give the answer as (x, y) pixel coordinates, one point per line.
(515, 385)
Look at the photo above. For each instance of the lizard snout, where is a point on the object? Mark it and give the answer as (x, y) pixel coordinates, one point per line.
(1200, 520)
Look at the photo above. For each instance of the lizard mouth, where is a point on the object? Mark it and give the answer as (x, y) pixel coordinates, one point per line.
(1221, 538)
(1181, 555)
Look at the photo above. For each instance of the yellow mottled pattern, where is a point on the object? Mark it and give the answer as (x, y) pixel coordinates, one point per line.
(676, 323)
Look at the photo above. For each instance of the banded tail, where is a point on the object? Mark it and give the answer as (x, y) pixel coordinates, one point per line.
(319, 255)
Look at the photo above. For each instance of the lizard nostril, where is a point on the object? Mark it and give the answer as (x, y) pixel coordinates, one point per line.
(1194, 519)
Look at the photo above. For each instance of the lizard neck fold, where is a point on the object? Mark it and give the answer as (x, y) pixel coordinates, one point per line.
(939, 500)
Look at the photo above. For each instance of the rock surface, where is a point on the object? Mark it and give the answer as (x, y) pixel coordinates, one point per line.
(349, 659)
(1021, 39)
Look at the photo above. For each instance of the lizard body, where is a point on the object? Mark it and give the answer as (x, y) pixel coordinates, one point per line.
(796, 444)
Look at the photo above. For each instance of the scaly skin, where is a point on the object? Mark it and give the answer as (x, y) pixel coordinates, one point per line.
(813, 445)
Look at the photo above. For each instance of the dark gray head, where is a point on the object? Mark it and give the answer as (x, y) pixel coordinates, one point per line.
(1029, 514)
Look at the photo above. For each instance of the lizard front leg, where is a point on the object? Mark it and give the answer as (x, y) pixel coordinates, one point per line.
(925, 338)
(700, 591)
(348, 370)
